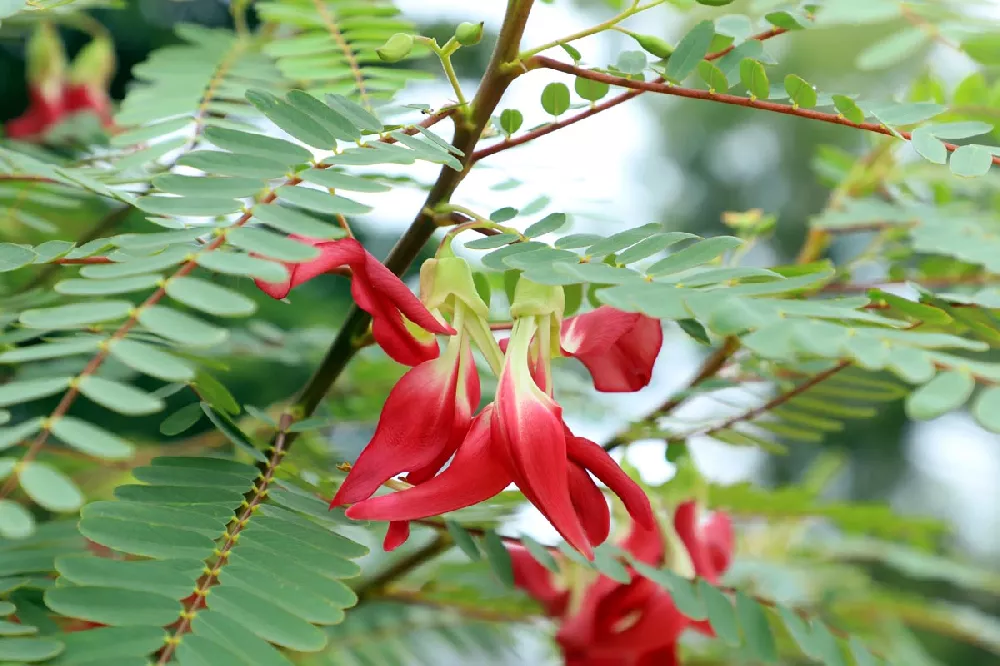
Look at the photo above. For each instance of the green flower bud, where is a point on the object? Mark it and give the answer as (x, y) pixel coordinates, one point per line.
(533, 299)
(94, 65)
(46, 59)
(653, 45)
(396, 47)
(714, 3)
(469, 34)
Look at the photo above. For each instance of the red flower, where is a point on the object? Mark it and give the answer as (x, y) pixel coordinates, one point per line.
(520, 438)
(635, 623)
(619, 348)
(377, 291)
(425, 418)
(42, 113)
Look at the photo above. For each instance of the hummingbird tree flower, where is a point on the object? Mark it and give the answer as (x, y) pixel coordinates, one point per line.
(46, 65)
(607, 623)
(377, 291)
(521, 438)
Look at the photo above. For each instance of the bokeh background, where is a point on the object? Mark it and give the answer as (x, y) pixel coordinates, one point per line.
(680, 162)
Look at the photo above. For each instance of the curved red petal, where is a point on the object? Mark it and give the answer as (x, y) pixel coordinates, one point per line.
(595, 331)
(592, 457)
(466, 402)
(618, 348)
(385, 282)
(475, 475)
(396, 535)
(590, 505)
(686, 524)
(418, 425)
(528, 426)
(333, 254)
(388, 327)
(718, 533)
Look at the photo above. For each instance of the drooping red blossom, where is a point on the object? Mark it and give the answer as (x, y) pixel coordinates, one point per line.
(618, 348)
(424, 420)
(377, 291)
(634, 623)
(52, 95)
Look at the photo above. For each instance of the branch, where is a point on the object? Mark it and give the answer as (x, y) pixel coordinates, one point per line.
(709, 369)
(776, 401)
(468, 129)
(373, 588)
(735, 100)
(597, 108)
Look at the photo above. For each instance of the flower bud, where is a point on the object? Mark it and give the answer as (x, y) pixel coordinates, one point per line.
(441, 279)
(469, 34)
(94, 65)
(653, 45)
(46, 61)
(396, 47)
(533, 299)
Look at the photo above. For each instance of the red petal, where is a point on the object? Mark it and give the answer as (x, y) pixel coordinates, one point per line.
(396, 535)
(666, 656)
(466, 402)
(590, 505)
(475, 475)
(529, 428)
(646, 545)
(705, 554)
(418, 426)
(392, 288)
(618, 348)
(332, 255)
(592, 457)
(719, 537)
(536, 580)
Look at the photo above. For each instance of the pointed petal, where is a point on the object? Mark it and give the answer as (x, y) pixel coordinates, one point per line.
(590, 505)
(385, 282)
(701, 551)
(475, 475)
(537, 581)
(646, 545)
(416, 427)
(592, 457)
(466, 401)
(396, 535)
(529, 427)
(333, 254)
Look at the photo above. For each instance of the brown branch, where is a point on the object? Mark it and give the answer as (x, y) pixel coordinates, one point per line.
(776, 401)
(374, 586)
(723, 98)
(712, 365)
(597, 108)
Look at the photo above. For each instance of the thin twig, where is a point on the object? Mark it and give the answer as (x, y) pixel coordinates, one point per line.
(603, 106)
(723, 98)
(374, 587)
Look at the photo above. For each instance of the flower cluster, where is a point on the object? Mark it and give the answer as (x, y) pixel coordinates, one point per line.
(606, 623)
(54, 93)
(519, 437)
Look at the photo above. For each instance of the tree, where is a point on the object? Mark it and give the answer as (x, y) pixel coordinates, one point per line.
(156, 506)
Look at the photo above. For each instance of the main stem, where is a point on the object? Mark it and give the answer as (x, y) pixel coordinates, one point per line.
(468, 130)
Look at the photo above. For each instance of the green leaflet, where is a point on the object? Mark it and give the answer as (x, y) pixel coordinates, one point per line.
(177, 520)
